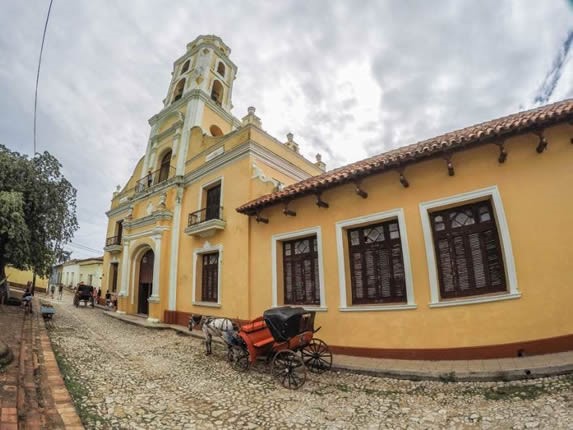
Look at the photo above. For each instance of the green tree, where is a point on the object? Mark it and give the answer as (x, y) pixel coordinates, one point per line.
(37, 211)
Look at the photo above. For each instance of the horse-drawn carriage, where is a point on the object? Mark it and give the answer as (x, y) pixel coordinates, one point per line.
(285, 336)
(84, 293)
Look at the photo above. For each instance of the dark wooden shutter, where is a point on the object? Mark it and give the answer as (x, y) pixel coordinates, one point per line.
(213, 202)
(468, 251)
(210, 277)
(300, 269)
(376, 264)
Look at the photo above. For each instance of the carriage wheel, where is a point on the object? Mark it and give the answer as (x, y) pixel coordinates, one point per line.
(288, 368)
(239, 358)
(317, 356)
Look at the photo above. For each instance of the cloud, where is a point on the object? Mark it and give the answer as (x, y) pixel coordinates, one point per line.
(349, 79)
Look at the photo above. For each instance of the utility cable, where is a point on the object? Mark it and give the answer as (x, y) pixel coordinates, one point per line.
(38, 74)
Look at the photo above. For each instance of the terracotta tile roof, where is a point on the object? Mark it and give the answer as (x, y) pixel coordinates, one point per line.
(486, 132)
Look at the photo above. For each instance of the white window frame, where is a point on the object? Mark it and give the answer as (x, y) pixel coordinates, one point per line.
(503, 231)
(207, 249)
(205, 187)
(341, 227)
(291, 236)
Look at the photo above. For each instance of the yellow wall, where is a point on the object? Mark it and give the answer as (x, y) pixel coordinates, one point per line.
(21, 277)
(535, 191)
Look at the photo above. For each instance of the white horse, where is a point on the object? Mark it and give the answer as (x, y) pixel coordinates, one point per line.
(211, 326)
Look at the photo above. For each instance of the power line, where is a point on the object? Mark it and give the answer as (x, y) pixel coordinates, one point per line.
(38, 74)
(84, 247)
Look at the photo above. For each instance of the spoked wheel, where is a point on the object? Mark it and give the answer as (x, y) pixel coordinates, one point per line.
(239, 358)
(288, 368)
(317, 356)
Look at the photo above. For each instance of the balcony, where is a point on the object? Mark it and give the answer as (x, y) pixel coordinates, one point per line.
(154, 178)
(205, 222)
(113, 244)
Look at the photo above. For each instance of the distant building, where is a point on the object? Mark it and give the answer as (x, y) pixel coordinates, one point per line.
(454, 247)
(72, 272)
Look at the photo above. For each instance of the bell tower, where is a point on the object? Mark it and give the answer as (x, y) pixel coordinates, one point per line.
(205, 67)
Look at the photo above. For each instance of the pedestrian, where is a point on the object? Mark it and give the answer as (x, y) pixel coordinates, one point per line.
(27, 301)
(60, 291)
(149, 178)
(52, 290)
(98, 296)
(94, 296)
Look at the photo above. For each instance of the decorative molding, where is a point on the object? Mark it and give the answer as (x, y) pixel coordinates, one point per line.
(504, 237)
(155, 217)
(146, 233)
(397, 214)
(275, 239)
(259, 174)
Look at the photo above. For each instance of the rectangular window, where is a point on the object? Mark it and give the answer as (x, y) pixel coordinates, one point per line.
(210, 277)
(376, 264)
(468, 251)
(213, 203)
(301, 272)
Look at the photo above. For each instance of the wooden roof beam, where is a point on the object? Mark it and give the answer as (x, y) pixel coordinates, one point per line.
(542, 145)
(321, 203)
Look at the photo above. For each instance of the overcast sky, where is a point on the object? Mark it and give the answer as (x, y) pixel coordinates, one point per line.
(349, 78)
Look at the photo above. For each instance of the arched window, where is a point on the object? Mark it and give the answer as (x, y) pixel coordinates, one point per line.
(215, 131)
(217, 92)
(185, 67)
(178, 93)
(221, 69)
(164, 169)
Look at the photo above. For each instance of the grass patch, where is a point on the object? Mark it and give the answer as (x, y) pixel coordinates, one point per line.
(77, 391)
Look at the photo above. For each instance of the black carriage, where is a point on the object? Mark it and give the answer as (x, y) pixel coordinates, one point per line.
(84, 293)
(284, 336)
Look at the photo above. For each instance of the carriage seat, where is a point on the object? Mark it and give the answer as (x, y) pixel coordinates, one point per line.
(264, 342)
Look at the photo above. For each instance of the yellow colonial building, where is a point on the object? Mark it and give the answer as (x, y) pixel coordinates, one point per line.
(454, 247)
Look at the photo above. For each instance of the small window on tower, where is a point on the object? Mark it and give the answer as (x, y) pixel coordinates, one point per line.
(221, 69)
(178, 93)
(185, 67)
(215, 131)
(217, 92)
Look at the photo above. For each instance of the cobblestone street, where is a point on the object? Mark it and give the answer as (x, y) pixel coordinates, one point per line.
(125, 376)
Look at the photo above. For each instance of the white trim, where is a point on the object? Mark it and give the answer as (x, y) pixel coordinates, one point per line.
(476, 300)
(373, 308)
(397, 214)
(204, 189)
(207, 304)
(207, 248)
(504, 237)
(293, 235)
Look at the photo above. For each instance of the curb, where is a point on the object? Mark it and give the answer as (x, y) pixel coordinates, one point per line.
(412, 375)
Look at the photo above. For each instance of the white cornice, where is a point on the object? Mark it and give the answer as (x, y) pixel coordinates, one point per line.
(193, 94)
(164, 215)
(171, 130)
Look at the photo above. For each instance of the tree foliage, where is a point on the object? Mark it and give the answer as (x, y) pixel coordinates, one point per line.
(37, 211)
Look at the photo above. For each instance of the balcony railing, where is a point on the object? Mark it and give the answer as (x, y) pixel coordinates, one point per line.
(154, 178)
(113, 240)
(205, 214)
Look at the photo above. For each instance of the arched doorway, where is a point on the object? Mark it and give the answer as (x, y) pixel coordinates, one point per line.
(164, 168)
(145, 282)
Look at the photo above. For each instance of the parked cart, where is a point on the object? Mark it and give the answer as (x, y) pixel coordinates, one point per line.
(285, 336)
(47, 311)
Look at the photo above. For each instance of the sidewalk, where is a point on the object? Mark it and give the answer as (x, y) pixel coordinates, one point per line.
(32, 391)
(501, 369)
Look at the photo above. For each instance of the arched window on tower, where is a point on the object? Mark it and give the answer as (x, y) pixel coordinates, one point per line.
(178, 93)
(217, 92)
(185, 67)
(221, 69)
(215, 131)
(165, 166)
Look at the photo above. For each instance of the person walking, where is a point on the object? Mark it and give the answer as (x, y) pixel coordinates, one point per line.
(52, 290)
(60, 291)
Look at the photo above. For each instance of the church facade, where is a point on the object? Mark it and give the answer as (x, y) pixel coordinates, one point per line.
(454, 247)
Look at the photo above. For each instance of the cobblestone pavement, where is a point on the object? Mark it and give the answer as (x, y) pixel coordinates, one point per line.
(125, 376)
